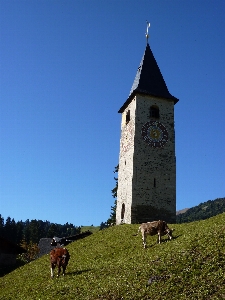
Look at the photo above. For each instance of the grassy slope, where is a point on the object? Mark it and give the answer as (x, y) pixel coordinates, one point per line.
(112, 264)
(93, 229)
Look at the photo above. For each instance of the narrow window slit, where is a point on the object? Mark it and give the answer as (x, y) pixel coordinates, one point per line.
(128, 117)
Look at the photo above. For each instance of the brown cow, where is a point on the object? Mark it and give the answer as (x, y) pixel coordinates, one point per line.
(153, 228)
(59, 257)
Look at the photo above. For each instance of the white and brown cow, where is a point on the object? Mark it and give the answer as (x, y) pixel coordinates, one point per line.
(59, 257)
(152, 228)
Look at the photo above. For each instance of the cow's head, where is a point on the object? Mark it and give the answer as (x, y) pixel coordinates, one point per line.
(55, 241)
(61, 241)
(65, 257)
(169, 232)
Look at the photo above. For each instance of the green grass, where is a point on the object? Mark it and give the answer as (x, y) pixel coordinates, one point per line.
(112, 264)
(93, 229)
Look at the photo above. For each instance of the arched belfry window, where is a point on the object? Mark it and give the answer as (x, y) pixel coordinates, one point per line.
(154, 112)
(122, 212)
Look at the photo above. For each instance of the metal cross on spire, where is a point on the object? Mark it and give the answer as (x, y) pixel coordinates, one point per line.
(147, 35)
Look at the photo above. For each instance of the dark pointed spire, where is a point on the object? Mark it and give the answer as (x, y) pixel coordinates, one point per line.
(149, 80)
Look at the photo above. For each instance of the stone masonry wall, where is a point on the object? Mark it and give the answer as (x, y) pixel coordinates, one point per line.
(147, 175)
(154, 182)
(125, 174)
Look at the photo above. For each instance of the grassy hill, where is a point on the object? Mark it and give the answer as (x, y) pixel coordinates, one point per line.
(93, 229)
(112, 264)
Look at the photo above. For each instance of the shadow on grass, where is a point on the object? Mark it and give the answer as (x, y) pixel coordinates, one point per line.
(176, 237)
(164, 241)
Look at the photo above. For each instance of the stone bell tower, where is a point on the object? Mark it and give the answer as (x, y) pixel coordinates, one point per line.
(147, 162)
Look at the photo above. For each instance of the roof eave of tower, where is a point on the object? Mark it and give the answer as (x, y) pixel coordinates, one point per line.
(145, 93)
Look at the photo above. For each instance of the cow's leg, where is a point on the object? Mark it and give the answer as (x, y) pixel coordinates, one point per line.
(59, 270)
(52, 269)
(159, 237)
(144, 239)
(64, 270)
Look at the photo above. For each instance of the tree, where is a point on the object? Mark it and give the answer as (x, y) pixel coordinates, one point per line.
(19, 232)
(1, 225)
(26, 231)
(52, 231)
(103, 225)
(10, 230)
(35, 231)
(112, 218)
(32, 251)
(30, 232)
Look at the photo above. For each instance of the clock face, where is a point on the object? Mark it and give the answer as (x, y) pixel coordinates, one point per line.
(155, 134)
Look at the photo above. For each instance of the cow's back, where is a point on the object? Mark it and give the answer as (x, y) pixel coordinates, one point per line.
(58, 253)
(147, 228)
(152, 228)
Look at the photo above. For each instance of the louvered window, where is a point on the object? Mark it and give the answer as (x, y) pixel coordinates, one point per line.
(154, 112)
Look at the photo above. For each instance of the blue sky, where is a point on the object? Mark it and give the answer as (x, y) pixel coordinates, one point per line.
(66, 68)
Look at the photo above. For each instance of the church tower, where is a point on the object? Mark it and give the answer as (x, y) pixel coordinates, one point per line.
(147, 162)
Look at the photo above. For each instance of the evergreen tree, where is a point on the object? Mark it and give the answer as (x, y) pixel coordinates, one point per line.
(26, 231)
(19, 232)
(103, 225)
(52, 231)
(112, 218)
(1, 226)
(10, 230)
(30, 232)
(35, 231)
